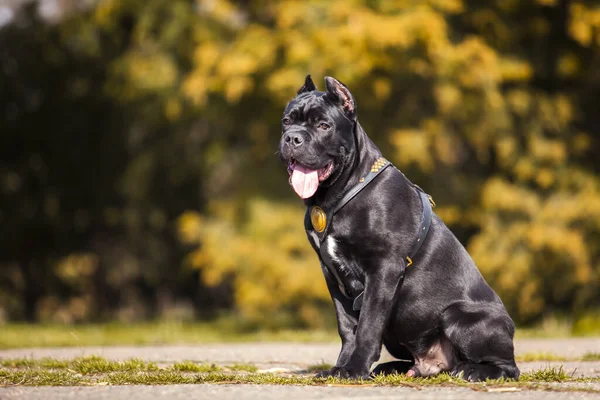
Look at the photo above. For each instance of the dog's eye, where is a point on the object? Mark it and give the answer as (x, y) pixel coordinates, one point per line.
(286, 121)
(324, 126)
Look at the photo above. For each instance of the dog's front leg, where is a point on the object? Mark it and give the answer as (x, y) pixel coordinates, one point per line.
(347, 320)
(381, 287)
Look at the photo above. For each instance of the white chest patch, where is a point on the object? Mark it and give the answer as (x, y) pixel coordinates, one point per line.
(331, 247)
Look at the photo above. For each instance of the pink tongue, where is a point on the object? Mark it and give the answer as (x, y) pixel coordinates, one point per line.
(305, 181)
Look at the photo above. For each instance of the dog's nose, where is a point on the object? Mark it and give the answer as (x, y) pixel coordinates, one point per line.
(294, 139)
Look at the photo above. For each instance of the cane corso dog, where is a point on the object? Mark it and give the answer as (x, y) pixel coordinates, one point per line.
(397, 275)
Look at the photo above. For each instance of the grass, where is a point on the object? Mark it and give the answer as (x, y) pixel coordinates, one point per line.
(95, 364)
(37, 377)
(190, 366)
(14, 335)
(552, 374)
(243, 367)
(529, 357)
(150, 333)
(557, 325)
(83, 365)
(99, 371)
(591, 357)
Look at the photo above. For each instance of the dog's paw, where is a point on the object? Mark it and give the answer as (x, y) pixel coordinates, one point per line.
(474, 372)
(393, 368)
(342, 372)
(336, 372)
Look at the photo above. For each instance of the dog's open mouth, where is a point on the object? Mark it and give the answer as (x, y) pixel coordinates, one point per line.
(304, 180)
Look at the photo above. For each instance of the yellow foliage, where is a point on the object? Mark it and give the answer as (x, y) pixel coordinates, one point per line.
(462, 106)
(515, 70)
(382, 88)
(236, 87)
(552, 151)
(448, 97)
(273, 268)
(189, 227)
(173, 109)
(76, 266)
(103, 14)
(538, 227)
(520, 101)
(568, 65)
(411, 146)
(195, 89)
(222, 11)
(501, 195)
(581, 143)
(584, 21)
(451, 215)
(506, 150)
(151, 71)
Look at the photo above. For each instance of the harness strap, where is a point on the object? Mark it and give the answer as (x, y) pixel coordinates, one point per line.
(378, 167)
(321, 222)
(425, 224)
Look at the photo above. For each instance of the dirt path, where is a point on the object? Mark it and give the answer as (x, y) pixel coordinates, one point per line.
(271, 392)
(294, 357)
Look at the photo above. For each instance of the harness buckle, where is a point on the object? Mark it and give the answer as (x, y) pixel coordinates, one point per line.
(431, 201)
(409, 263)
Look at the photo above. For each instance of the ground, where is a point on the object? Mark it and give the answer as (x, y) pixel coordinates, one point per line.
(290, 361)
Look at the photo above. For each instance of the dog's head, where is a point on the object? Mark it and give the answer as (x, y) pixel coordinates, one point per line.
(317, 135)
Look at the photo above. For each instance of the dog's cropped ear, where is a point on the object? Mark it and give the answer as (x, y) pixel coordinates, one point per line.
(340, 94)
(309, 85)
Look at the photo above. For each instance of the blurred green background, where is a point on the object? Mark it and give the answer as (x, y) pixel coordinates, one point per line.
(138, 175)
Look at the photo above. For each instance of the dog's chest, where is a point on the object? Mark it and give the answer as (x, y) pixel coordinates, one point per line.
(339, 261)
(332, 254)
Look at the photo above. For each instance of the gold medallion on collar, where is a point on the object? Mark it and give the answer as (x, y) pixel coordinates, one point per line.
(318, 218)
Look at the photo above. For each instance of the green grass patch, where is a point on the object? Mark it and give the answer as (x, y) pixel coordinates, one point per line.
(52, 363)
(190, 366)
(162, 377)
(83, 365)
(552, 374)
(98, 365)
(48, 363)
(561, 325)
(96, 370)
(151, 333)
(243, 367)
(403, 380)
(530, 357)
(19, 363)
(171, 332)
(40, 377)
(591, 357)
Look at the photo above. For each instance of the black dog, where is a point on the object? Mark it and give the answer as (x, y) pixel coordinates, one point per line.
(367, 222)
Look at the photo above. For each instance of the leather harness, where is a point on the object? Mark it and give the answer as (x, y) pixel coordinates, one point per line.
(314, 212)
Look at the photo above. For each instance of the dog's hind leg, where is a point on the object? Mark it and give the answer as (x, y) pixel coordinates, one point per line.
(482, 334)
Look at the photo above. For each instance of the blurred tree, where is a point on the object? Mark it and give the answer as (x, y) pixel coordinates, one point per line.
(275, 279)
(57, 161)
(94, 176)
(117, 119)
